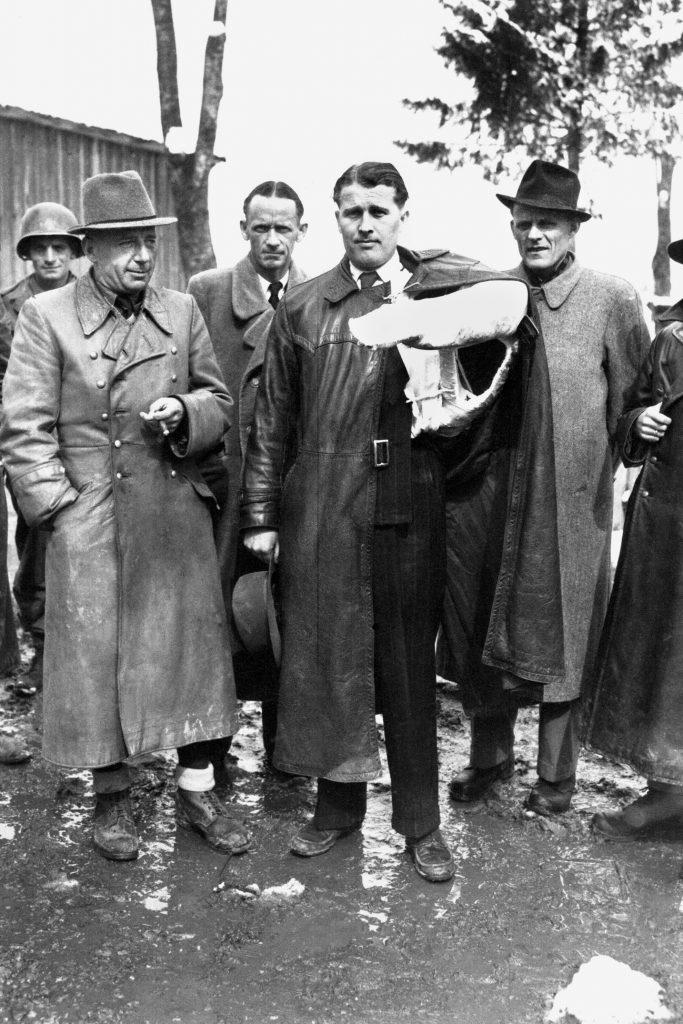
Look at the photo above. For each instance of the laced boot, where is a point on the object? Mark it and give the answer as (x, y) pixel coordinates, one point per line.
(204, 813)
(114, 833)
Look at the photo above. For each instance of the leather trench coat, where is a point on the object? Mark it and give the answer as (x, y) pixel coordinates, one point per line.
(636, 714)
(322, 389)
(137, 654)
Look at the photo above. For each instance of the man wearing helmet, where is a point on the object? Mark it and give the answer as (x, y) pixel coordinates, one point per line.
(45, 242)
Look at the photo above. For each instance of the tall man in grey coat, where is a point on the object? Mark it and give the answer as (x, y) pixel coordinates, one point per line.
(595, 338)
(238, 305)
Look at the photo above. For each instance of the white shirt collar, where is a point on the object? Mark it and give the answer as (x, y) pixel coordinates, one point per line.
(392, 271)
(265, 285)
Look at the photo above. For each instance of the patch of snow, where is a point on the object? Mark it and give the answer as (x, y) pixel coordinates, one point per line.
(157, 901)
(291, 890)
(7, 831)
(605, 991)
(61, 883)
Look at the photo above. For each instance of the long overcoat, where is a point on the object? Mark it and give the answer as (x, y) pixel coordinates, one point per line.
(238, 317)
(637, 713)
(318, 383)
(595, 340)
(137, 653)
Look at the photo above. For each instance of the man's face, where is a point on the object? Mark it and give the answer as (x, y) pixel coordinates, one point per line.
(51, 258)
(123, 258)
(272, 229)
(369, 222)
(543, 236)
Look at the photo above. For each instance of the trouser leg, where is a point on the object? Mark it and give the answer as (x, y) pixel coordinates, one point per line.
(112, 779)
(29, 583)
(492, 738)
(340, 804)
(408, 587)
(269, 726)
(558, 740)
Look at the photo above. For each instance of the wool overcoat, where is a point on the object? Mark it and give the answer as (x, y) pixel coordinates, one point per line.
(137, 653)
(595, 340)
(322, 389)
(238, 317)
(637, 711)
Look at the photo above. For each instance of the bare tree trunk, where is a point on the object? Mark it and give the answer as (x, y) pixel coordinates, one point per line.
(190, 171)
(661, 267)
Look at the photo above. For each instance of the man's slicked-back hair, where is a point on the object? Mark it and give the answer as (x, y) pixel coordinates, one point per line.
(275, 190)
(370, 174)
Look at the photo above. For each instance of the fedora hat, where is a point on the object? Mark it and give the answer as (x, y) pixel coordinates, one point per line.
(119, 200)
(254, 614)
(675, 251)
(548, 187)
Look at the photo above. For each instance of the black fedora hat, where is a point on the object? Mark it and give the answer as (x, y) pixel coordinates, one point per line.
(254, 613)
(675, 251)
(548, 187)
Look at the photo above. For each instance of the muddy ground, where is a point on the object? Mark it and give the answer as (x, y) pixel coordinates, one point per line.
(179, 936)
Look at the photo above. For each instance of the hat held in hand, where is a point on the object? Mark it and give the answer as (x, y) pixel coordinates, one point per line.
(254, 614)
(118, 200)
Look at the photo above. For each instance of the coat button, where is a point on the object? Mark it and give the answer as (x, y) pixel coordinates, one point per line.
(105, 415)
(117, 444)
(645, 494)
(173, 350)
(93, 355)
(118, 476)
(101, 384)
(653, 458)
(173, 472)
(174, 377)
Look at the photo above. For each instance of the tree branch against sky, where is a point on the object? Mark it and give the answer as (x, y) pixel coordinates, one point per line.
(190, 170)
(559, 79)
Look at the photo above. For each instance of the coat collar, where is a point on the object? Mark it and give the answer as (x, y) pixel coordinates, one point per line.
(340, 281)
(93, 308)
(557, 291)
(674, 312)
(248, 299)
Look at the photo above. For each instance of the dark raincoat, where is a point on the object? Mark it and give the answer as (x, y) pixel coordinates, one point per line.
(637, 711)
(320, 385)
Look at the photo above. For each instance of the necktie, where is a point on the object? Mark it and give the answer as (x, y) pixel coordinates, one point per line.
(368, 278)
(274, 289)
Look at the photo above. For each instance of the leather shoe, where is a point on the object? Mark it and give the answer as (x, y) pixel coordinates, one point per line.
(472, 783)
(204, 813)
(654, 809)
(431, 857)
(13, 751)
(114, 834)
(548, 798)
(311, 841)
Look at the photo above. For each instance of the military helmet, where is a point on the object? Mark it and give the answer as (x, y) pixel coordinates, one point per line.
(47, 220)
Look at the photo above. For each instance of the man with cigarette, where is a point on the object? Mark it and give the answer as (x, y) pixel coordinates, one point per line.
(111, 395)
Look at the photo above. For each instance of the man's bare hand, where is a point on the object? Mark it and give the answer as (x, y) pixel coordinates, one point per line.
(651, 425)
(262, 543)
(167, 412)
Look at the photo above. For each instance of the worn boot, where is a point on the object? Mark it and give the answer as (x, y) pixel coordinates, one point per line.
(548, 798)
(204, 813)
(644, 816)
(114, 834)
(13, 750)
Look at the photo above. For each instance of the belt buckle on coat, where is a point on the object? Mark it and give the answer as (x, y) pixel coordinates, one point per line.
(381, 448)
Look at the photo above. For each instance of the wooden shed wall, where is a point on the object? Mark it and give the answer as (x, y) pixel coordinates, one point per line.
(47, 159)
